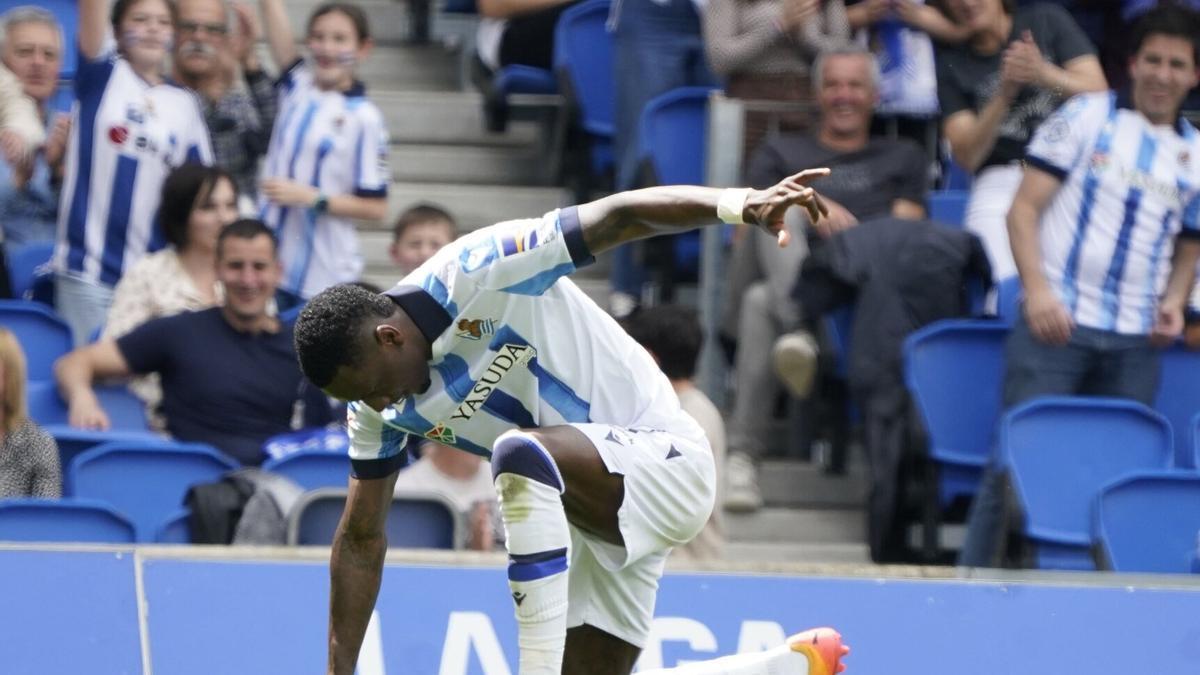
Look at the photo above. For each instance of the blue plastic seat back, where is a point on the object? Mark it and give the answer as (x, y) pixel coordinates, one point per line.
(521, 79)
(312, 469)
(176, 529)
(43, 335)
(413, 522)
(73, 442)
(126, 412)
(1149, 522)
(1008, 299)
(1059, 452)
(23, 263)
(1178, 399)
(146, 481)
(583, 54)
(955, 371)
(948, 207)
(63, 520)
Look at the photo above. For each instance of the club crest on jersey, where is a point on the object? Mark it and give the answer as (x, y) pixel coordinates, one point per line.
(508, 357)
(441, 433)
(474, 329)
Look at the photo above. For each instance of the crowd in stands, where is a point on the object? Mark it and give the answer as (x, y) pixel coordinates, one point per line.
(196, 197)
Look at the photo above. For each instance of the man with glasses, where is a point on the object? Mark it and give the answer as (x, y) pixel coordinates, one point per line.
(207, 56)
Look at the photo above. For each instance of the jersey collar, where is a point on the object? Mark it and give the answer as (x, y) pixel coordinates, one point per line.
(431, 318)
(1125, 101)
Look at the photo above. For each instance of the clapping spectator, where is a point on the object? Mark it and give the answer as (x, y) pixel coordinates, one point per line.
(130, 126)
(1014, 70)
(462, 478)
(28, 455)
(420, 231)
(327, 163)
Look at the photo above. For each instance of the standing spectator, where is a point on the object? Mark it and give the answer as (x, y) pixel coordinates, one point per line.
(129, 128)
(1013, 71)
(462, 478)
(32, 50)
(1105, 231)
(420, 231)
(327, 163)
(206, 59)
(764, 49)
(871, 177)
(28, 455)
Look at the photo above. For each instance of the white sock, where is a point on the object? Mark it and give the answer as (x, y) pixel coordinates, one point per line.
(778, 661)
(535, 526)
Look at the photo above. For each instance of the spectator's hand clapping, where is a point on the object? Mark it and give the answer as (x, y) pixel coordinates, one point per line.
(1022, 63)
(56, 141)
(1048, 318)
(874, 10)
(796, 13)
(85, 413)
(288, 193)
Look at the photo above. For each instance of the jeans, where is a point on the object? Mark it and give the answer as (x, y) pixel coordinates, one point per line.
(1092, 363)
(82, 304)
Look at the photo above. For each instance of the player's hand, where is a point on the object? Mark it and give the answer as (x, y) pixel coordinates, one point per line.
(56, 141)
(1048, 318)
(288, 193)
(85, 413)
(765, 208)
(1168, 325)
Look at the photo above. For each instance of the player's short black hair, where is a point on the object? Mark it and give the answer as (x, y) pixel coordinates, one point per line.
(672, 334)
(1168, 19)
(420, 214)
(246, 228)
(186, 187)
(328, 330)
(352, 11)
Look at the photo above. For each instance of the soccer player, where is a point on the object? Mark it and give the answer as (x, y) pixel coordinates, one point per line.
(129, 128)
(488, 348)
(327, 161)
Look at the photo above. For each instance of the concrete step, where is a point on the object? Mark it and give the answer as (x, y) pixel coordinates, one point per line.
(806, 485)
(775, 524)
(783, 552)
(455, 118)
(421, 162)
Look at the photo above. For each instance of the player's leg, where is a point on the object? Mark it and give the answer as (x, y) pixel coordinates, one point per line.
(591, 651)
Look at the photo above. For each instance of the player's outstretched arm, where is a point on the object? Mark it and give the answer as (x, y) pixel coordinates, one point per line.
(356, 568)
(637, 214)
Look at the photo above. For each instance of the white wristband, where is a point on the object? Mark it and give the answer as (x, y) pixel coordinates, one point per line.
(731, 204)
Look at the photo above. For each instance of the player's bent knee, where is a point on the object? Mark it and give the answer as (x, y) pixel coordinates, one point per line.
(520, 452)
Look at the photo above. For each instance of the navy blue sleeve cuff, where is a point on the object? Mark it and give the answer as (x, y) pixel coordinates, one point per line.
(374, 469)
(1039, 163)
(285, 77)
(568, 221)
(1188, 233)
(377, 193)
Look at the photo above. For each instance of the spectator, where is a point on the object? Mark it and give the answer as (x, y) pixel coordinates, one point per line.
(462, 478)
(229, 373)
(1013, 71)
(206, 59)
(28, 455)
(1105, 230)
(672, 335)
(872, 177)
(764, 49)
(327, 163)
(129, 128)
(197, 202)
(32, 50)
(420, 232)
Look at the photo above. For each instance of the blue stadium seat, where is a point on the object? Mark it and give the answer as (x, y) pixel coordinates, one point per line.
(519, 79)
(427, 521)
(1059, 452)
(126, 412)
(23, 262)
(63, 520)
(175, 530)
(948, 207)
(583, 61)
(312, 469)
(147, 481)
(67, 13)
(1178, 399)
(955, 177)
(1008, 299)
(73, 442)
(43, 335)
(954, 370)
(1148, 522)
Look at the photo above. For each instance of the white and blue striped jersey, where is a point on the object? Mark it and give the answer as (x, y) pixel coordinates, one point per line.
(1129, 188)
(514, 345)
(337, 142)
(126, 137)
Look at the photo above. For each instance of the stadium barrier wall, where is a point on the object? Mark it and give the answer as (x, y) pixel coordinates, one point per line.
(197, 611)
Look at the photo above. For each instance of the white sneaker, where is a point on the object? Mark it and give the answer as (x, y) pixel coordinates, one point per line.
(741, 484)
(795, 359)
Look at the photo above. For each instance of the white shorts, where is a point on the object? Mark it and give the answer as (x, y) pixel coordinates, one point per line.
(670, 485)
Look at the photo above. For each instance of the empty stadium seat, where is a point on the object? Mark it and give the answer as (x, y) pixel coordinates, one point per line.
(147, 481)
(1058, 453)
(23, 262)
(583, 62)
(1008, 299)
(426, 521)
(176, 529)
(63, 520)
(43, 335)
(126, 412)
(1178, 399)
(73, 442)
(948, 207)
(1148, 522)
(312, 469)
